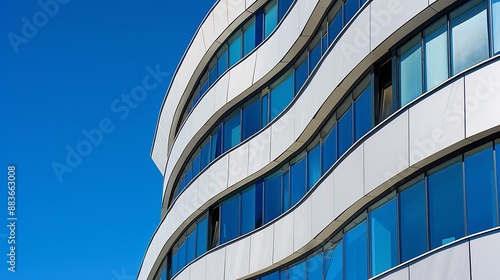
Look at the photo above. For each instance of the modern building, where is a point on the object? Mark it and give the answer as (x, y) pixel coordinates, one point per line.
(332, 139)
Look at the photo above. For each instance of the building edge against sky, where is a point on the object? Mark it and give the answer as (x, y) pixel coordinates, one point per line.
(332, 139)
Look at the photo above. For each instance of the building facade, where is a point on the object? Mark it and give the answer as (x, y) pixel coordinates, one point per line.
(332, 139)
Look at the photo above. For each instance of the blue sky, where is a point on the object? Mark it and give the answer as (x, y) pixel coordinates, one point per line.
(81, 87)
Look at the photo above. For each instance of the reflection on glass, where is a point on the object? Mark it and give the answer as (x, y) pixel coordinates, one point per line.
(383, 238)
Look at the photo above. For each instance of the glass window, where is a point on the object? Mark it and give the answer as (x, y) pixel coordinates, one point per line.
(446, 204)
(297, 271)
(497, 164)
(222, 62)
(204, 86)
(355, 253)
(480, 190)
(301, 74)
(364, 117)
(235, 49)
(248, 37)
(329, 149)
(350, 8)
(332, 267)
(250, 119)
(383, 237)
(284, 274)
(314, 55)
(191, 246)
(283, 6)
(259, 192)
(436, 53)
(259, 27)
(196, 165)
(205, 155)
(315, 266)
(212, 75)
(232, 132)
(344, 125)
(334, 22)
(413, 221)
(248, 220)
(216, 142)
(297, 181)
(281, 95)
(202, 236)
(313, 166)
(189, 174)
(469, 36)
(264, 110)
(272, 198)
(495, 11)
(273, 276)
(410, 70)
(175, 264)
(286, 191)
(270, 18)
(229, 216)
(384, 90)
(181, 255)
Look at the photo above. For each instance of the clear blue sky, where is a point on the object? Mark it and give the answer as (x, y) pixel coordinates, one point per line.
(63, 72)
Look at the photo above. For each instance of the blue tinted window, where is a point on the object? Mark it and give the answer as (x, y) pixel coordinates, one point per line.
(191, 246)
(284, 274)
(264, 110)
(410, 70)
(202, 237)
(363, 113)
(181, 256)
(222, 63)
(324, 43)
(189, 175)
(205, 155)
(413, 222)
(297, 181)
(497, 164)
(355, 253)
(286, 191)
(383, 238)
(175, 264)
(313, 166)
(301, 75)
(469, 36)
(270, 19)
(259, 192)
(314, 56)
(212, 76)
(345, 132)
(480, 191)
(446, 205)
(235, 50)
(297, 271)
(495, 10)
(335, 26)
(329, 149)
(272, 198)
(259, 27)
(283, 6)
(332, 267)
(350, 8)
(250, 119)
(196, 165)
(204, 87)
(216, 142)
(273, 276)
(436, 53)
(248, 219)
(232, 132)
(281, 95)
(249, 37)
(229, 216)
(315, 266)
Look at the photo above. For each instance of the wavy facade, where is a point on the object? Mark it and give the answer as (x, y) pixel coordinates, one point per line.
(335, 139)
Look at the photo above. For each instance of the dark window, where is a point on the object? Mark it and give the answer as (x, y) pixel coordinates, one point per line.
(250, 119)
(329, 149)
(344, 125)
(272, 198)
(297, 181)
(229, 219)
(248, 203)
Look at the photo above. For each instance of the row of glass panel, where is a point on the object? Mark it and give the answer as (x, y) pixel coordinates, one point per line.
(244, 121)
(244, 40)
(453, 200)
(267, 198)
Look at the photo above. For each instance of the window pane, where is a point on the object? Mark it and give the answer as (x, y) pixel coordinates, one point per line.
(205, 155)
(469, 36)
(212, 76)
(202, 237)
(383, 238)
(350, 8)
(175, 264)
(283, 7)
(446, 205)
(281, 95)
(250, 119)
(248, 210)
(301, 74)
(181, 256)
(335, 24)
(410, 70)
(264, 110)
(273, 276)
(297, 181)
(355, 253)
(232, 132)
(235, 49)
(222, 63)
(297, 271)
(259, 27)
(248, 37)
(436, 53)
(329, 149)
(363, 111)
(270, 19)
(495, 11)
(413, 222)
(480, 191)
(259, 192)
(315, 266)
(196, 165)
(230, 212)
(272, 198)
(314, 56)
(191, 246)
(345, 132)
(286, 191)
(216, 142)
(189, 175)
(332, 268)
(313, 167)
(204, 87)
